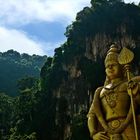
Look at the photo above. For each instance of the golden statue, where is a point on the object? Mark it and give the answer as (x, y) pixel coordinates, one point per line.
(114, 113)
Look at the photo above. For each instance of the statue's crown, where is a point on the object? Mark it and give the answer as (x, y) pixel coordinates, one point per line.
(113, 49)
(112, 54)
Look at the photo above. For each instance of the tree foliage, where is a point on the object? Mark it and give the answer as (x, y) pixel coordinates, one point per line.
(15, 66)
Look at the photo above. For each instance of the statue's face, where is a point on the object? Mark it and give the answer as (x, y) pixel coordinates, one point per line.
(113, 70)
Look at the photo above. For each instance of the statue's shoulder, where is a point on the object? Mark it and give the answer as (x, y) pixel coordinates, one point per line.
(98, 91)
(124, 84)
(136, 79)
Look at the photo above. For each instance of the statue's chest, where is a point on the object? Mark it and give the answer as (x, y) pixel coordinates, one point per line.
(114, 96)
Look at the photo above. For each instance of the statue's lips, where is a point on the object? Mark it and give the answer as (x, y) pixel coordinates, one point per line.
(111, 71)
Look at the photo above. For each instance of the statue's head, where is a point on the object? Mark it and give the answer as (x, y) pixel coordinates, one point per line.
(112, 67)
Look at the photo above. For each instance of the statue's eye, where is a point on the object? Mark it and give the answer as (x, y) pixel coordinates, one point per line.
(108, 66)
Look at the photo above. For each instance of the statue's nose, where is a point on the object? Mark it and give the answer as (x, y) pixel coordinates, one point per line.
(110, 66)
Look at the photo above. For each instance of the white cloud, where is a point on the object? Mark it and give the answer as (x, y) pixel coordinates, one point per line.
(19, 41)
(130, 1)
(16, 13)
(26, 11)
(20, 12)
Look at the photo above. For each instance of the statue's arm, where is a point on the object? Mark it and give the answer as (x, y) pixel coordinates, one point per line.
(134, 85)
(92, 119)
(137, 99)
(92, 122)
(138, 96)
(137, 80)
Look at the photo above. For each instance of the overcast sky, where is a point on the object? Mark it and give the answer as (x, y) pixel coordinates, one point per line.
(37, 26)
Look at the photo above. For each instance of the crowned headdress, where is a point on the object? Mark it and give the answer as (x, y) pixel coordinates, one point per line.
(112, 54)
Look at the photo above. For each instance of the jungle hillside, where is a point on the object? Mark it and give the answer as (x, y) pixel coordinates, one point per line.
(16, 67)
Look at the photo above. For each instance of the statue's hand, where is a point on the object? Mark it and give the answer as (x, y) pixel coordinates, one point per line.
(132, 88)
(100, 136)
